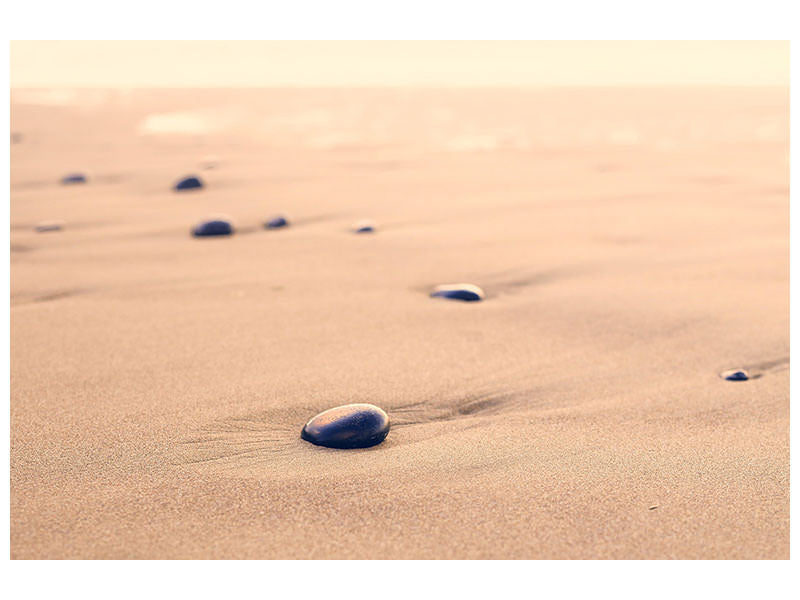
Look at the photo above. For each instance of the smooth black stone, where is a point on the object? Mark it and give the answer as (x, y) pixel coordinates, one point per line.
(276, 223)
(735, 375)
(215, 227)
(349, 426)
(189, 183)
(458, 291)
(73, 178)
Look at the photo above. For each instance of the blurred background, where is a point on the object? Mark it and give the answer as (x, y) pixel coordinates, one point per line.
(396, 63)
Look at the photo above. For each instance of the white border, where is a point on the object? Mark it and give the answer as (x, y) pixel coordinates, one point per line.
(412, 19)
(408, 20)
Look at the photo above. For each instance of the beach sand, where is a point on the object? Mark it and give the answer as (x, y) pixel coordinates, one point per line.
(632, 244)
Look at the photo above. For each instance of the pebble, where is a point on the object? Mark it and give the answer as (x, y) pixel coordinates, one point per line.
(45, 226)
(73, 178)
(276, 223)
(188, 183)
(735, 375)
(364, 227)
(458, 291)
(213, 227)
(348, 426)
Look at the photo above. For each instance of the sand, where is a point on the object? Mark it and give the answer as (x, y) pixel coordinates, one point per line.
(632, 244)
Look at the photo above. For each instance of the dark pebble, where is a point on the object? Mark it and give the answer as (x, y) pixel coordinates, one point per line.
(45, 226)
(458, 291)
(213, 227)
(349, 426)
(276, 223)
(364, 227)
(73, 178)
(735, 375)
(188, 183)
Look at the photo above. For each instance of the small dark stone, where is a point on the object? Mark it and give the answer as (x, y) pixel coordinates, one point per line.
(188, 183)
(364, 227)
(213, 227)
(46, 226)
(458, 291)
(735, 375)
(73, 178)
(276, 223)
(349, 426)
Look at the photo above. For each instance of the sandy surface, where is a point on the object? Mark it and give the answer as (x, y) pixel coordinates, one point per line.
(632, 245)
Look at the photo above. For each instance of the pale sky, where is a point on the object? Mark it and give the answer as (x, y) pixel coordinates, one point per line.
(395, 63)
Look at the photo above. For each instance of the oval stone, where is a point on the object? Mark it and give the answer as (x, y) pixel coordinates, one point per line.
(364, 227)
(276, 222)
(188, 183)
(458, 291)
(349, 426)
(73, 178)
(735, 375)
(212, 227)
